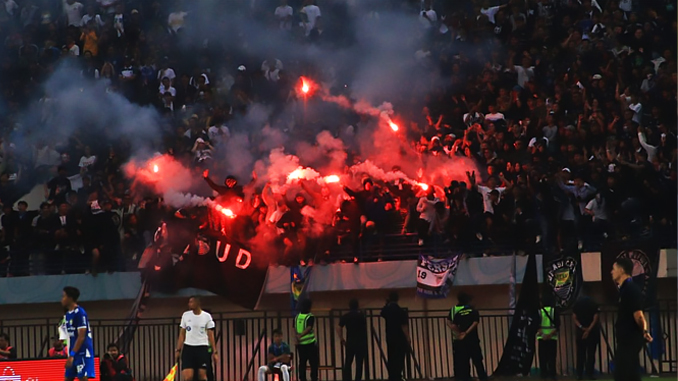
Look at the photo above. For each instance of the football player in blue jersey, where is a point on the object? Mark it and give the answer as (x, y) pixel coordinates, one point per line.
(80, 363)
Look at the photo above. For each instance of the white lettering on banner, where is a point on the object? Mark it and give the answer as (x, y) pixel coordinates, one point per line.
(429, 278)
(248, 259)
(223, 255)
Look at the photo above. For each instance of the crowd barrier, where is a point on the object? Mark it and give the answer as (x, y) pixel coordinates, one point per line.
(243, 339)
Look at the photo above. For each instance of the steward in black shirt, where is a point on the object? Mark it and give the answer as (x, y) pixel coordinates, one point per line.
(585, 317)
(355, 342)
(631, 327)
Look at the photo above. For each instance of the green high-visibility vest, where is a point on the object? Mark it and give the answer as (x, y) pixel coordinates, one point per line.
(548, 323)
(459, 310)
(300, 324)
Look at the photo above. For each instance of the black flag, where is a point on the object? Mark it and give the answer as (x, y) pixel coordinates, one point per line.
(209, 261)
(645, 257)
(520, 345)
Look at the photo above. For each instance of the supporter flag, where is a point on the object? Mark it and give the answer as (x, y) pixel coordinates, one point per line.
(564, 279)
(172, 374)
(520, 344)
(206, 260)
(435, 276)
(298, 280)
(645, 257)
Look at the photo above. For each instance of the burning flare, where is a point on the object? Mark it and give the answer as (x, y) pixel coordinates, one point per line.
(296, 174)
(331, 179)
(423, 186)
(225, 211)
(155, 168)
(393, 126)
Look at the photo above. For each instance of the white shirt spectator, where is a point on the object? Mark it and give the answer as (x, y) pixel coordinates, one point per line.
(284, 16)
(427, 209)
(312, 13)
(428, 19)
(11, 7)
(175, 21)
(196, 327)
(487, 201)
(108, 5)
(626, 5)
(74, 13)
(97, 20)
(218, 134)
(494, 117)
(74, 50)
(169, 73)
(598, 209)
(524, 74)
(490, 13)
(272, 73)
(162, 90)
(637, 108)
(651, 150)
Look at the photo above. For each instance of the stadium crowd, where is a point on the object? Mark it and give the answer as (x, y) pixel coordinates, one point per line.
(567, 107)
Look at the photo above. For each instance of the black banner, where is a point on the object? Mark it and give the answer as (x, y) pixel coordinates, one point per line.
(520, 344)
(564, 279)
(645, 257)
(206, 260)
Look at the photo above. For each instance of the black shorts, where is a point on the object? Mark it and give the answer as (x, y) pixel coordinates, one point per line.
(195, 357)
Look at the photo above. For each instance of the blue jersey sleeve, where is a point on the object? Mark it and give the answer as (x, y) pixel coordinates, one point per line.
(80, 319)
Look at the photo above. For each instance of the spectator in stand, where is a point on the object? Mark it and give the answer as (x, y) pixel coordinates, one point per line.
(7, 352)
(58, 349)
(114, 366)
(279, 358)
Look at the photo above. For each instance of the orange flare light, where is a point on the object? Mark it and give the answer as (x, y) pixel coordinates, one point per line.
(306, 86)
(225, 211)
(331, 179)
(296, 174)
(393, 126)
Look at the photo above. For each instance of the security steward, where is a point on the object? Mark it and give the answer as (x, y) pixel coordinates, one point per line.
(547, 335)
(307, 343)
(463, 320)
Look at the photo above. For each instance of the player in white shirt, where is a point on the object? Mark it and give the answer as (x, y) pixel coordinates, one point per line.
(195, 340)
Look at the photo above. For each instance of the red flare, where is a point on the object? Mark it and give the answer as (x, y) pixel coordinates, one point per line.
(228, 213)
(306, 86)
(331, 179)
(296, 174)
(393, 126)
(423, 186)
(155, 168)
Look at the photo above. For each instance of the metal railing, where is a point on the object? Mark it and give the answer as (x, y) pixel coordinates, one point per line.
(243, 339)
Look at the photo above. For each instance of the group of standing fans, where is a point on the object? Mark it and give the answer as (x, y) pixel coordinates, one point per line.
(565, 107)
